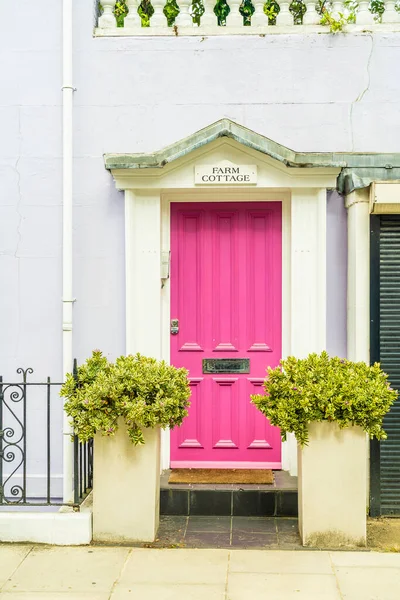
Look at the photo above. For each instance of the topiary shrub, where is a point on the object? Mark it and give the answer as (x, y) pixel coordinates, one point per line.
(141, 390)
(320, 388)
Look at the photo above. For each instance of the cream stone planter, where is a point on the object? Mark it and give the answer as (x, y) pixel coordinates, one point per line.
(333, 486)
(126, 487)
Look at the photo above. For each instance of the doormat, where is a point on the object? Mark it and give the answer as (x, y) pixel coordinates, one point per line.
(256, 476)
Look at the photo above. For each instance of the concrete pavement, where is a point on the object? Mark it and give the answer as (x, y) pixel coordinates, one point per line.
(120, 573)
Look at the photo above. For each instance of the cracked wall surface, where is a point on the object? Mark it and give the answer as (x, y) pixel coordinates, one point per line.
(308, 92)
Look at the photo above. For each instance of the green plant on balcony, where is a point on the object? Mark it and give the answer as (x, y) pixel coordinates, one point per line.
(319, 388)
(144, 392)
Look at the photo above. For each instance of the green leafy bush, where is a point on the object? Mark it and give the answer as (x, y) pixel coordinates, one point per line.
(320, 388)
(143, 391)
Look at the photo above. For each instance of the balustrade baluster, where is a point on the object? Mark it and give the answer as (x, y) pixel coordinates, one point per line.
(209, 18)
(311, 17)
(259, 18)
(132, 19)
(184, 19)
(234, 19)
(337, 9)
(158, 19)
(107, 19)
(285, 17)
(364, 16)
(390, 15)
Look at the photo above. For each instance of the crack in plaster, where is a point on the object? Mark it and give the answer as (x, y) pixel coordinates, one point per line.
(363, 91)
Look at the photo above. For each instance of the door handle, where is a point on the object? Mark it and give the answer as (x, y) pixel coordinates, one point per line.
(174, 326)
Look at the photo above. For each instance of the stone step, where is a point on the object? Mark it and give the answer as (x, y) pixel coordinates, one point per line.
(276, 500)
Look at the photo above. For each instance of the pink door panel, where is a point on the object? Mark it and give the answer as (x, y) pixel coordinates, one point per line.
(226, 263)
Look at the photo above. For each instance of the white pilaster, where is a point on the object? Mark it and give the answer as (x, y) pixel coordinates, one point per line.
(308, 285)
(357, 204)
(142, 263)
(308, 272)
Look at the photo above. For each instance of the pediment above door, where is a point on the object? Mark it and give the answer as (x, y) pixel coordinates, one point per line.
(277, 166)
(223, 145)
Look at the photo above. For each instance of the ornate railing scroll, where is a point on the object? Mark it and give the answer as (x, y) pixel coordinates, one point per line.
(30, 435)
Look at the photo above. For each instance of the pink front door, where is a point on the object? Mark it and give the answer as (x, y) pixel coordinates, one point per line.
(226, 264)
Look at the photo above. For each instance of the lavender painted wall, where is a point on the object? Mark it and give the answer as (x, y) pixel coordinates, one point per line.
(139, 95)
(308, 92)
(336, 269)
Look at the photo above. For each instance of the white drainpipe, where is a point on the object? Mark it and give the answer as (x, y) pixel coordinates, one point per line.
(68, 91)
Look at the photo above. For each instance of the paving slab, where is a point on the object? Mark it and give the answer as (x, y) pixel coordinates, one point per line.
(207, 540)
(57, 569)
(175, 566)
(280, 561)
(248, 539)
(54, 596)
(227, 532)
(11, 556)
(282, 586)
(362, 583)
(366, 559)
(209, 524)
(169, 592)
(120, 573)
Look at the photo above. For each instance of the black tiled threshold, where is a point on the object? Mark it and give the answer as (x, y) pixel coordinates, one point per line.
(276, 500)
(227, 532)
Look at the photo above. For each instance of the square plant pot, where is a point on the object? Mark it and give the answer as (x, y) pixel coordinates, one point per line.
(332, 483)
(126, 487)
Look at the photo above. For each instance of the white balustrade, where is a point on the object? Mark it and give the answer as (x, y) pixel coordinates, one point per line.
(364, 16)
(132, 19)
(311, 17)
(234, 19)
(184, 19)
(107, 23)
(285, 17)
(158, 19)
(107, 19)
(259, 18)
(209, 18)
(391, 15)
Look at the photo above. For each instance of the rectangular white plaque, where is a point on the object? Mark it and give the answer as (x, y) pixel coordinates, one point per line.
(230, 174)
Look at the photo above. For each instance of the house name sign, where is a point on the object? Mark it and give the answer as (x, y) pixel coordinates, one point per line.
(225, 173)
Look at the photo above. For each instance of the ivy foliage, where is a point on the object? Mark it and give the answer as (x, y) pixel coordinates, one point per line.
(271, 9)
(142, 391)
(320, 388)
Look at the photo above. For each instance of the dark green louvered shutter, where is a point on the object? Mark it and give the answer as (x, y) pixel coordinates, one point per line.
(389, 338)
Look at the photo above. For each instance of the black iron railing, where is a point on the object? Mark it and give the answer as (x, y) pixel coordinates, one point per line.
(31, 446)
(83, 469)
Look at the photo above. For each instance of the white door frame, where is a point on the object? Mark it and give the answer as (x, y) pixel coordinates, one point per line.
(303, 192)
(232, 195)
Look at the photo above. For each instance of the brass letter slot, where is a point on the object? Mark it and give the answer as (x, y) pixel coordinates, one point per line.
(226, 365)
